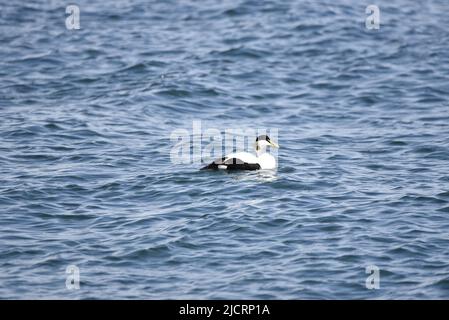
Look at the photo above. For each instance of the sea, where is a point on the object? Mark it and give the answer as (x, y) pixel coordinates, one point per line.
(98, 199)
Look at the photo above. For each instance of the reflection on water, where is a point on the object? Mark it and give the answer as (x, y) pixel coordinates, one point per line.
(257, 176)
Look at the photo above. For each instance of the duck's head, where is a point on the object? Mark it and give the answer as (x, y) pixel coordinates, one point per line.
(264, 141)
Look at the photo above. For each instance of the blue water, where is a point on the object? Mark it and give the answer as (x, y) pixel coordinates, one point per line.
(85, 171)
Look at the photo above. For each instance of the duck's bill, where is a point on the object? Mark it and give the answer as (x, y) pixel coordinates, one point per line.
(274, 144)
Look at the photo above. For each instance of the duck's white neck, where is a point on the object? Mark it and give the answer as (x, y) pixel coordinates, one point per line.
(265, 160)
(260, 150)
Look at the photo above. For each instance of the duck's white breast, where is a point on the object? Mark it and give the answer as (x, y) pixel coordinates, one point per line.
(266, 161)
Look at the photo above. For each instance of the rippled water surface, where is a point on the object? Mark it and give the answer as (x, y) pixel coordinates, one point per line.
(85, 170)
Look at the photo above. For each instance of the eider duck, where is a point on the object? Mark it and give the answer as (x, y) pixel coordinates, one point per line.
(246, 160)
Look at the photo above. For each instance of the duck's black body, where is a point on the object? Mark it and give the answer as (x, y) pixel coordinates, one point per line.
(231, 164)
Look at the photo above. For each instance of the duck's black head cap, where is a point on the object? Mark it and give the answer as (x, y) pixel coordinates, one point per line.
(263, 137)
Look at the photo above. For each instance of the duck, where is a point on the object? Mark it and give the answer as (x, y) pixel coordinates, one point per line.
(262, 160)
